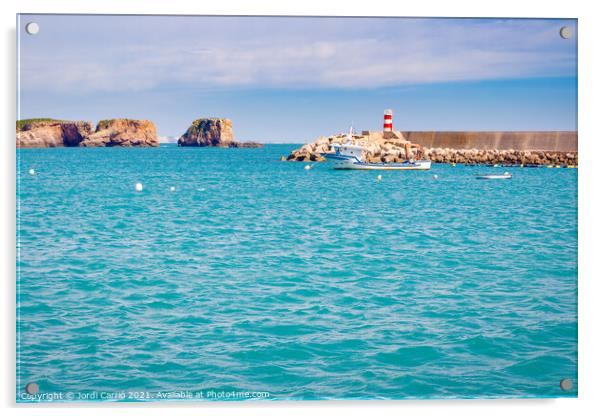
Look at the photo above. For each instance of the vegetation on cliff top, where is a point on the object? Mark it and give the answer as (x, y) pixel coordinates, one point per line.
(104, 124)
(23, 123)
(199, 122)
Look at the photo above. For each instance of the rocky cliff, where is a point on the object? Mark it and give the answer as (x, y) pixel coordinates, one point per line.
(51, 133)
(58, 133)
(216, 132)
(208, 132)
(532, 148)
(122, 132)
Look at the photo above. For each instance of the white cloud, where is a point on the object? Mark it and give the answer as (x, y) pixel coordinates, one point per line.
(356, 54)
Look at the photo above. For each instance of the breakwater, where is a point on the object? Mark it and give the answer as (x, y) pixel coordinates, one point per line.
(505, 148)
(556, 141)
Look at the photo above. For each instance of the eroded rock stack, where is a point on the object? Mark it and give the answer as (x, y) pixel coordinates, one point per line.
(59, 133)
(216, 132)
(51, 133)
(123, 132)
(390, 147)
(208, 132)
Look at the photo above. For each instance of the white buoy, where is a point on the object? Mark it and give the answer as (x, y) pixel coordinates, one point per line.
(32, 172)
(139, 187)
(172, 188)
(379, 177)
(435, 177)
(307, 167)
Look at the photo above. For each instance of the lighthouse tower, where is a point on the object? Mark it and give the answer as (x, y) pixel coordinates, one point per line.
(388, 126)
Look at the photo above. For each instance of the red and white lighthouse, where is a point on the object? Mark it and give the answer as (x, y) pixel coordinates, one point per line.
(388, 126)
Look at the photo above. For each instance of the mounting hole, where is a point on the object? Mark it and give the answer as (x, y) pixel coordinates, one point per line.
(565, 32)
(32, 28)
(32, 388)
(566, 384)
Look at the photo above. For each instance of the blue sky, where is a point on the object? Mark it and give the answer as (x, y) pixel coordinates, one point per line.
(293, 79)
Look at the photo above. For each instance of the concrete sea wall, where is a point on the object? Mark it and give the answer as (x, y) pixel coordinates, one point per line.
(553, 141)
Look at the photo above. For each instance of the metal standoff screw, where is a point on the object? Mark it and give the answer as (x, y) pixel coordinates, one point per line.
(32, 388)
(32, 28)
(566, 384)
(565, 32)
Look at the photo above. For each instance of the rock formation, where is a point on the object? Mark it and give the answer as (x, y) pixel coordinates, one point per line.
(51, 133)
(390, 147)
(208, 132)
(216, 132)
(246, 144)
(57, 133)
(122, 132)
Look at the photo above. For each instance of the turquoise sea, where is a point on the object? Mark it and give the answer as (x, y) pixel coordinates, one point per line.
(258, 279)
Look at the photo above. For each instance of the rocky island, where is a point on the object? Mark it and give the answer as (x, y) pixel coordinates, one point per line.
(108, 133)
(123, 132)
(505, 148)
(216, 132)
(51, 133)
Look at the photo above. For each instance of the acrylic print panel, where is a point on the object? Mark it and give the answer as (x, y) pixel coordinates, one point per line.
(275, 208)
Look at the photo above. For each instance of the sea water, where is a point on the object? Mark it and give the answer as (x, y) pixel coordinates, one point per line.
(256, 278)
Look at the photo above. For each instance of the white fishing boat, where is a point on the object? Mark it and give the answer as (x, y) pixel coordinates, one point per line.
(352, 156)
(505, 175)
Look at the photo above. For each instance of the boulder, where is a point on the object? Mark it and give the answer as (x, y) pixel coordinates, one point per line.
(246, 145)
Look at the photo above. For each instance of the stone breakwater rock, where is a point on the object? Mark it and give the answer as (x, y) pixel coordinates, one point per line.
(379, 147)
(122, 132)
(215, 132)
(501, 157)
(249, 145)
(52, 133)
(390, 147)
(57, 133)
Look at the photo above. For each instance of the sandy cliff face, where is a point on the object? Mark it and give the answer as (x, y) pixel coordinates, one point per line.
(52, 133)
(208, 132)
(122, 132)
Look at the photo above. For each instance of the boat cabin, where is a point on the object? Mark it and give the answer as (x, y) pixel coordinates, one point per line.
(351, 150)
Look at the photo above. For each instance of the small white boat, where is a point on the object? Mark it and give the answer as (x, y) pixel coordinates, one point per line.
(505, 175)
(351, 156)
